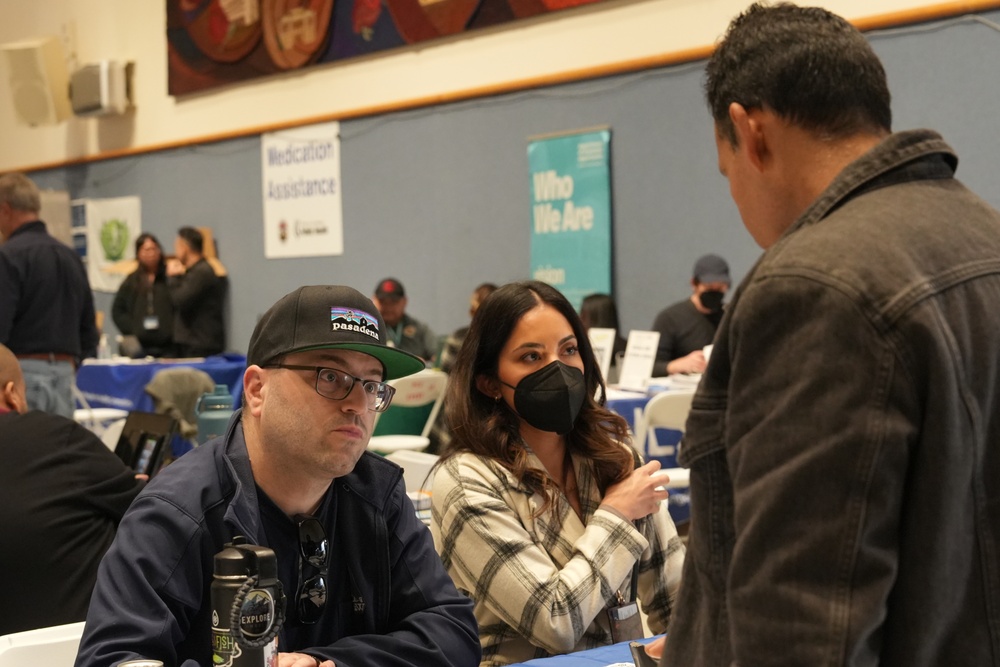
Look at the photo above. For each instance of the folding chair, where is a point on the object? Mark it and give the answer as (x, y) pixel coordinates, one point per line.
(415, 406)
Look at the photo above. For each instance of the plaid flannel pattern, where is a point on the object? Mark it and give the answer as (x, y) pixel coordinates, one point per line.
(541, 583)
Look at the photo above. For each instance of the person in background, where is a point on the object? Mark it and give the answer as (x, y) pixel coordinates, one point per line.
(843, 441)
(405, 332)
(198, 296)
(358, 569)
(62, 494)
(142, 307)
(440, 434)
(688, 326)
(46, 307)
(454, 342)
(540, 510)
(600, 311)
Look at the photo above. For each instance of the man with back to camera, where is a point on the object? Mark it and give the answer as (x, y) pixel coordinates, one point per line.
(689, 325)
(405, 332)
(46, 306)
(62, 494)
(845, 474)
(198, 296)
(371, 590)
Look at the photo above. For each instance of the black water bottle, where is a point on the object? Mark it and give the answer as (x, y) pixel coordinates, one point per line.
(247, 606)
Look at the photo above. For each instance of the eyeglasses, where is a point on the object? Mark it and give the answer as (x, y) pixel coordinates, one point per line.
(337, 385)
(314, 551)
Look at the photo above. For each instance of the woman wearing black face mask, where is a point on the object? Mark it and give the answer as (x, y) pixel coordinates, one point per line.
(539, 511)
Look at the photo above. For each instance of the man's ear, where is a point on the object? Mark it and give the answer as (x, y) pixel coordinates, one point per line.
(489, 386)
(750, 135)
(10, 398)
(253, 389)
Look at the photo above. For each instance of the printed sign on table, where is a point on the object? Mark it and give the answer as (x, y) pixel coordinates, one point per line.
(303, 211)
(571, 213)
(640, 354)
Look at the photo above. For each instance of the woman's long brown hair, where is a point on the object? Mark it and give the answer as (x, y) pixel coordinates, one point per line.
(484, 426)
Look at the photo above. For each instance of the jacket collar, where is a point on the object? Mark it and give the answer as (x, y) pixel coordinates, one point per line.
(242, 513)
(33, 227)
(900, 157)
(373, 479)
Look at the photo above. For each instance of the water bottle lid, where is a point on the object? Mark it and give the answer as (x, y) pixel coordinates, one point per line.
(230, 562)
(218, 399)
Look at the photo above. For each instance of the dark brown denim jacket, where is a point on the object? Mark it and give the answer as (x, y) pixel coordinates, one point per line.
(844, 443)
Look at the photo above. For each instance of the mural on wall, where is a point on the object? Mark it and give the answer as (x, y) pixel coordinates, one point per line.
(216, 42)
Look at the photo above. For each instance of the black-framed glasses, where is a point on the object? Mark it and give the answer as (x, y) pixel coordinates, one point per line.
(336, 384)
(314, 553)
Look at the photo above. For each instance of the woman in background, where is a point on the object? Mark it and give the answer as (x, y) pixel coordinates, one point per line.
(142, 306)
(440, 435)
(540, 512)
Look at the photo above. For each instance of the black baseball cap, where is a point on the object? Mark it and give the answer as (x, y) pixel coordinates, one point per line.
(711, 269)
(321, 317)
(389, 288)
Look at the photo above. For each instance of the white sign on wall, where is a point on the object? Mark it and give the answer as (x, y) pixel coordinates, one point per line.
(303, 213)
(109, 227)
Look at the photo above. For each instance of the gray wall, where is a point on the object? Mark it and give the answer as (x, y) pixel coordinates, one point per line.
(439, 197)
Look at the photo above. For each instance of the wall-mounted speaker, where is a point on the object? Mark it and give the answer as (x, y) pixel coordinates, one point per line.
(101, 88)
(39, 83)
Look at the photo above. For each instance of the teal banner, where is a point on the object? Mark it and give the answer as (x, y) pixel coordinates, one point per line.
(571, 213)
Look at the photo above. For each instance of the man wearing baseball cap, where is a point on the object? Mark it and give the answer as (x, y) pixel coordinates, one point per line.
(689, 325)
(362, 580)
(404, 332)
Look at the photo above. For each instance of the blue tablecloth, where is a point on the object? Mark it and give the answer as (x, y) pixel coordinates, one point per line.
(595, 657)
(122, 384)
(626, 404)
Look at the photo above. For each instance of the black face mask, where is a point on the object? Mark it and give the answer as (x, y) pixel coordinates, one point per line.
(712, 300)
(550, 398)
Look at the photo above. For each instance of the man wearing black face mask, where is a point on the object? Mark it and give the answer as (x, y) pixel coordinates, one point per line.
(688, 326)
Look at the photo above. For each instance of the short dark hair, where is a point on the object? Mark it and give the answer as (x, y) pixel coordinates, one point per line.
(807, 65)
(599, 310)
(487, 427)
(193, 238)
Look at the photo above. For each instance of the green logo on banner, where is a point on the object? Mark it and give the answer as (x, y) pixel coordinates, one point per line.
(114, 239)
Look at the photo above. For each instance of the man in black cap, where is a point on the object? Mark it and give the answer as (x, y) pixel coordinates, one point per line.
(689, 325)
(405, 332)
(362, 580)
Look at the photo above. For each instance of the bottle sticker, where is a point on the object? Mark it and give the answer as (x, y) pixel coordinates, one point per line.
(257, 613)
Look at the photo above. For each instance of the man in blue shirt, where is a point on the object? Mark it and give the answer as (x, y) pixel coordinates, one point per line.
(362, 580)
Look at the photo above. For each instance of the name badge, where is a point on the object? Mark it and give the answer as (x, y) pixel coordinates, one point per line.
(150, 322)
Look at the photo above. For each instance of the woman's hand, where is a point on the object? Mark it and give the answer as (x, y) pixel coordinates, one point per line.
(638, 494)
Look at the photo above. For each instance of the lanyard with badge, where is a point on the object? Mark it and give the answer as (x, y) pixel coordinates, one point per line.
(151, 321)
(623, 618)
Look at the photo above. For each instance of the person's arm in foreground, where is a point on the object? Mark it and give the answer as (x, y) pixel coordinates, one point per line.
(149, 588)
(514, 576)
